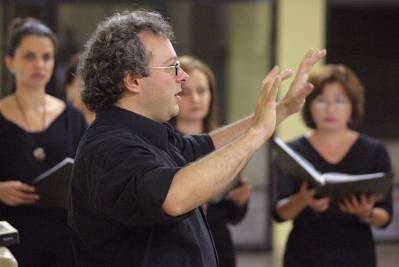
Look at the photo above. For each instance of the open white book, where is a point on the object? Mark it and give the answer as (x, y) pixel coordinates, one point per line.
(53, 185)
(336, 185)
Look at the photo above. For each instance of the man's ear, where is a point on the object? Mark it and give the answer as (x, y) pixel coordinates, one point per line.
(132, 82)
(9, 61)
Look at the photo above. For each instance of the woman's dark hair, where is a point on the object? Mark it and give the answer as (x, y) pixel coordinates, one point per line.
(22, 27)
(114, 50)
(70, 70)
(349, 82)
(189, 64)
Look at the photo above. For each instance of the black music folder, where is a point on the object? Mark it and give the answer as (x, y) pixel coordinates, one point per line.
(335, 185)
(53, 185)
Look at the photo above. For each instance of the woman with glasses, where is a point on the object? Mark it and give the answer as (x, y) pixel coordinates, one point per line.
(37, 131)
(327, 232)
(198, 114)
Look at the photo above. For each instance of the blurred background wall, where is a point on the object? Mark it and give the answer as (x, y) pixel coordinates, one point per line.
(241, 41)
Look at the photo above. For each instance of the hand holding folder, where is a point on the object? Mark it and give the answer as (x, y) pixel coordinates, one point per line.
(334, 185)
(53, 185)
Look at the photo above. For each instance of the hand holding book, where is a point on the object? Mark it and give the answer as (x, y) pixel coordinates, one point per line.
(241, 193)
(359, 206)
(334, 185)
(308, 195)
(15, 193)
(53, 185)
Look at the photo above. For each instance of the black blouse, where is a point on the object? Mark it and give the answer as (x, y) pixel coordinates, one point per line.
(43, 232)
(123, 170)
(219, 215)
(332, 238)
(59, 140)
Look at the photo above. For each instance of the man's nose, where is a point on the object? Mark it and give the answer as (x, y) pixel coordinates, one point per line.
(182, 76)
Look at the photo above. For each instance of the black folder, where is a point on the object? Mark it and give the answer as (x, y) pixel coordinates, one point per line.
(335, 185)
(53, 185)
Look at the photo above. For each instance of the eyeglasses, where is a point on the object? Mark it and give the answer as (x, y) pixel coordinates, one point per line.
(336, 103)
(176, 66)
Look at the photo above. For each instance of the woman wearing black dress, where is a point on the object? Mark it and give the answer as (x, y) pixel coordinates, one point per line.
(327, 233)
(197, 115)
(36, 132)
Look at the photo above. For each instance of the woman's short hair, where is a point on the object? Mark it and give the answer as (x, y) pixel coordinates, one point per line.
(350, 83)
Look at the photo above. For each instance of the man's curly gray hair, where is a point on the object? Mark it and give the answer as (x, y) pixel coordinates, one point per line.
(115, 49)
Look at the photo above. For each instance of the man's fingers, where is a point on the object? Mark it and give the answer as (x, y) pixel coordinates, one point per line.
(305, 64)
(309, 54)
(310, 59)
(318, 55)
(271, 75)
(274, 90)
(307, 89)
(285, 74)
(313, 56)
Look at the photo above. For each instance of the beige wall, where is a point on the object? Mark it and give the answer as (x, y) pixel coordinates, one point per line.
(249, 26)
(301, 25)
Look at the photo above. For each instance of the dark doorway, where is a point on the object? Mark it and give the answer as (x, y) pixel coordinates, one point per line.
(366, 38)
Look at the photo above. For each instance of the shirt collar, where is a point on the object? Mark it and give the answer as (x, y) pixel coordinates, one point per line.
(153, 131)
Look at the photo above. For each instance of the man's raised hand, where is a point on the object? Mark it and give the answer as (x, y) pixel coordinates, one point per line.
(294, 100)
(265, 112)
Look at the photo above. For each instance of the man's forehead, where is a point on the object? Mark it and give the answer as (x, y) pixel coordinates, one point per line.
(158, 47)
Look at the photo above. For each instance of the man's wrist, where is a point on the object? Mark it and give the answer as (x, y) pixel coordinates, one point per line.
(256, 137)
(281, 112)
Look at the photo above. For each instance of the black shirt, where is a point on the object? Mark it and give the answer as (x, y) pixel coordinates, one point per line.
(332, 238)
(123, 170)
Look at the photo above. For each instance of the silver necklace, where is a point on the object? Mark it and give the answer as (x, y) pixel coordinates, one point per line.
(38, 152)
